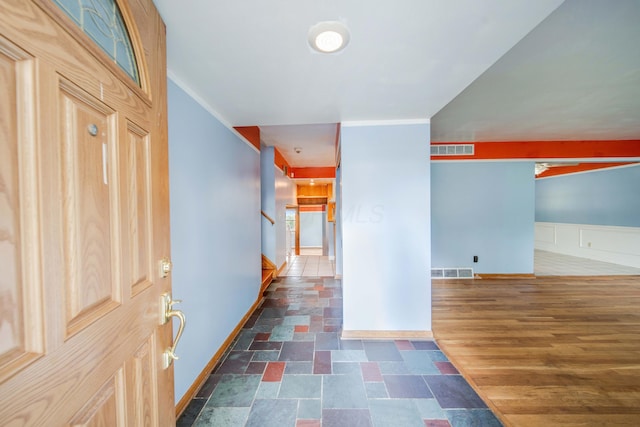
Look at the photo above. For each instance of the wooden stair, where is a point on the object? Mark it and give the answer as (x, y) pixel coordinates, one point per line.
(269, 273)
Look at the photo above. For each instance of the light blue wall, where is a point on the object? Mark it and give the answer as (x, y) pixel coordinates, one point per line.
(311, 229)
(268, 201)
(603, 197)
(385, 217)
(484, 209)
(277, 191)
(215, 230)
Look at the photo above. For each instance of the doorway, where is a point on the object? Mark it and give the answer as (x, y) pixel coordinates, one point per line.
(292, 218)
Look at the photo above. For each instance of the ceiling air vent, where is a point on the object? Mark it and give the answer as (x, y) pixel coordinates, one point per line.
(452, 150)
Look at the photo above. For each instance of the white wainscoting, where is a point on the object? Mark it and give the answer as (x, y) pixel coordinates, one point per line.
(619, 245)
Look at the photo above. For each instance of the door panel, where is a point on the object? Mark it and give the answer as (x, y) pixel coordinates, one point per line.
(21, 332)
(138, 216)
(84, 221)
(141, 383)
(106, 408)
(87, 129)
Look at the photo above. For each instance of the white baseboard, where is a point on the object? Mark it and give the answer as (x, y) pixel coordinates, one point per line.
(618, 245)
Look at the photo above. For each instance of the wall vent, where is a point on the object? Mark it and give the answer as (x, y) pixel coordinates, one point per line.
(452, 273)
(452, 150)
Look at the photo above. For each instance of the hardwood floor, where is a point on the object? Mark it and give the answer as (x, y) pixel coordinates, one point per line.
(548, 351)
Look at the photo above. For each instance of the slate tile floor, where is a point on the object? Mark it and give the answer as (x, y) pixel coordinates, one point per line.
(288, 367)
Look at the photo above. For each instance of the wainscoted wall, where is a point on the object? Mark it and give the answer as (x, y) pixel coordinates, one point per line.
(594, 215)
(215, 230)
(619, 245)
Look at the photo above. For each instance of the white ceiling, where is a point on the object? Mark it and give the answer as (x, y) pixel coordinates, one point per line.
(576, 75)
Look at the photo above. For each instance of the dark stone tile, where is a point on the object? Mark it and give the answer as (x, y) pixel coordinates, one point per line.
(346, 417)
(273, 313)
(235, 363)
(262, 336)
(452, 391)
(251, 321)
(235, 391)
(274, 303)
(404, 345)
(371, 371)
(472, 418)
(191, 412)
(331, 283)
(425, 345)
(322, 362)
(333, 312)
(244, 340)
(256, 368)
(266, 345)
(273, 413)
(299, 351)
(335, 302)
(265, 355)
(446, 368)
(378, 351)
(327, 341)
(208, 386)
(407, 387)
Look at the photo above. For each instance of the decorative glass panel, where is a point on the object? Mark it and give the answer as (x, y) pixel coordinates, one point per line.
(101, 20)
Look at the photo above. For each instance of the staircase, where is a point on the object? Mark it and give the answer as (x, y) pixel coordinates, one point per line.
(269, 272)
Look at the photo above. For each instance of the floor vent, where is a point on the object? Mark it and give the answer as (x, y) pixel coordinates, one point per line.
(452, 150)
(452, 273)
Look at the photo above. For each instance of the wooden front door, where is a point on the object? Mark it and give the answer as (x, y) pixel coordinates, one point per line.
(84, 222)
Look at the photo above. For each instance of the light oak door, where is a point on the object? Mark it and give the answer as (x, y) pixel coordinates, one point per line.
(84, 222)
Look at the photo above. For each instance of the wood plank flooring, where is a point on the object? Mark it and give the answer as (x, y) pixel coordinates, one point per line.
(561, 351)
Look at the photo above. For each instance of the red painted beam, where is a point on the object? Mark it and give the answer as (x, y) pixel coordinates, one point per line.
(313, 172)
(280, 161)
(547, 150)
(251, 133)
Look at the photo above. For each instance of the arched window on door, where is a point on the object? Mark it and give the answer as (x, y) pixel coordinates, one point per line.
(102, 21)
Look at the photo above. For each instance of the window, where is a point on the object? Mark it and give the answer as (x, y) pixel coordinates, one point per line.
(101, 20)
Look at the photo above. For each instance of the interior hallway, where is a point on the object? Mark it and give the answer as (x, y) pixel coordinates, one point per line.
(289, 368)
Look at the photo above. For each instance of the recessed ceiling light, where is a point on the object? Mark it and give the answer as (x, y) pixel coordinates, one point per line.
(328, 36)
